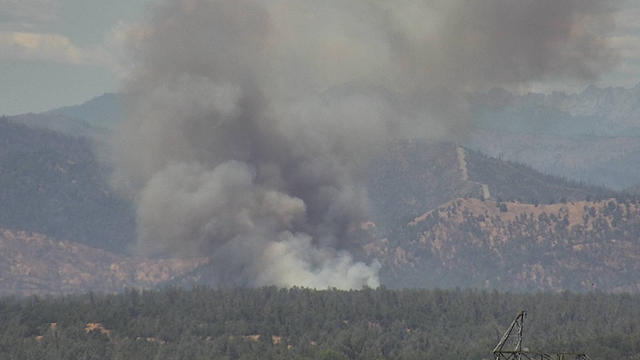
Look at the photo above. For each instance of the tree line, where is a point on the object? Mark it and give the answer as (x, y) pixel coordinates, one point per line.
(299, 323)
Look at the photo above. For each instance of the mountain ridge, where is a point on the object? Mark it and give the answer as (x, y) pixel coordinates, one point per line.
(578, 246)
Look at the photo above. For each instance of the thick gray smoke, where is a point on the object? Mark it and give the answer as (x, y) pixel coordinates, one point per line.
(251, 120)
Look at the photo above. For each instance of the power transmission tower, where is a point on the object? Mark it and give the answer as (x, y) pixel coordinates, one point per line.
(513, 335)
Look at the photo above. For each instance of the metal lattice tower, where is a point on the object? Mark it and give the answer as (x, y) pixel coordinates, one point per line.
(513, 336)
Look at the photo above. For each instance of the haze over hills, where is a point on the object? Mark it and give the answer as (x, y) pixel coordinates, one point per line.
(594, 111)
(105, 111)
(591, 136)
(430, 201)
(53, 184)
(93, 119)
(58, 182)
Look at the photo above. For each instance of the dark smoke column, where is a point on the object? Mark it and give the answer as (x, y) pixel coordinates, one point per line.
(251, 120)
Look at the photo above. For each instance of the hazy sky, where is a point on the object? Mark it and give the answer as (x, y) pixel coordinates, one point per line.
(63, 52)
(59, 52)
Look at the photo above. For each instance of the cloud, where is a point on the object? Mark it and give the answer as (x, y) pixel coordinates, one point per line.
(28, 15)
(625, 41)
(28, 46)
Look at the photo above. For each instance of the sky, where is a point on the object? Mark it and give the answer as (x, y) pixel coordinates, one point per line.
(60, 52)
(63, 52)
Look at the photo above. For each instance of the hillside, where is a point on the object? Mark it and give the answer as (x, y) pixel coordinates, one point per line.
(612, 161)
(592, 136)
(413, 177)
(104, 111)
(92, 119)
(578, 246)
(32, 263)
(59, 123)
(508, 180)
(53, 184)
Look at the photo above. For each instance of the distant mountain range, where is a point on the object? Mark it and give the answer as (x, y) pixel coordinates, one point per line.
(105, 111)
(592, 136)
(594, 111)
(443, 214)
(92, 119)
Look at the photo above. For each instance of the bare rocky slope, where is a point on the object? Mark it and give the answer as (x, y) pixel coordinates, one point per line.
(32, 263)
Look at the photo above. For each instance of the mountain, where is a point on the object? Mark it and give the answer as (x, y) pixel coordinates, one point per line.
(59, 123)
(53, 184)
(413, 177)
(104, 111)
(592, 136)
(32, 263)
(578, 246)
(613, 162)
(448, 217)
(443, 215)
(92, 119)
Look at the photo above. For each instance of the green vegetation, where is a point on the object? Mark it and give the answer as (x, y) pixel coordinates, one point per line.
(296, 323)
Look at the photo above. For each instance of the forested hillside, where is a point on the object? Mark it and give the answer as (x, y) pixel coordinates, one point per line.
(272, 323)
(53, 184)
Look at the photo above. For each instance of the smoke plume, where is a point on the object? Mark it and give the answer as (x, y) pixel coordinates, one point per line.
(251, 120)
